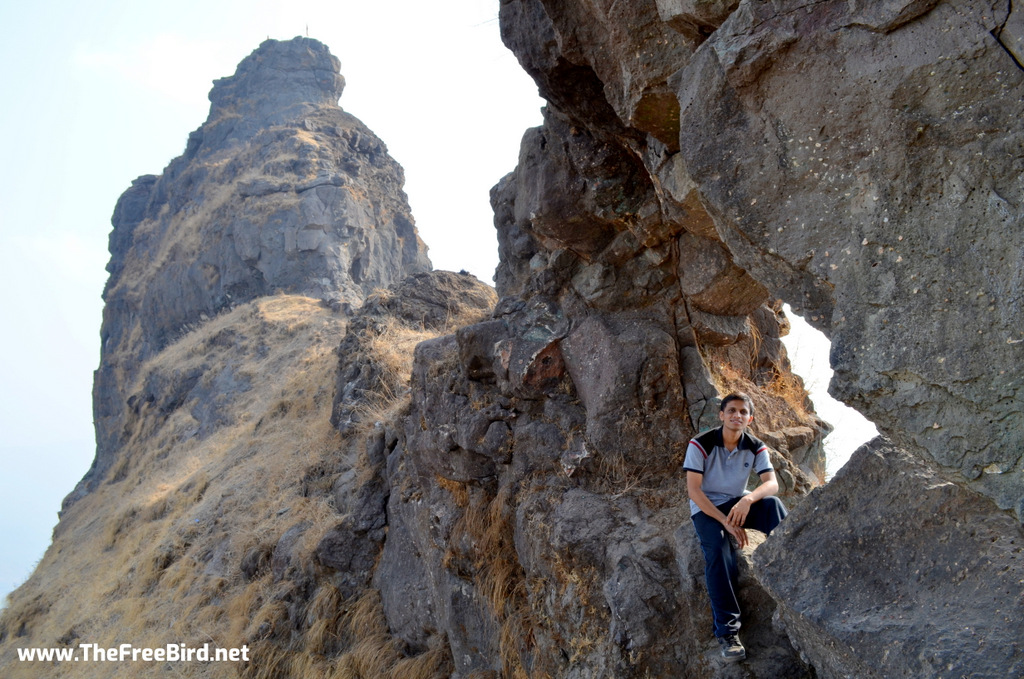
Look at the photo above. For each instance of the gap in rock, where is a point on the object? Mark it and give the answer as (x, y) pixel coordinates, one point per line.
(808, 351)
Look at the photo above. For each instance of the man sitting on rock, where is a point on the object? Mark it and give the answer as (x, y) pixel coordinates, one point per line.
(718, 464)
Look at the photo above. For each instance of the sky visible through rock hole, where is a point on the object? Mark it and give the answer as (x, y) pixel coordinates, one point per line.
(100, 93)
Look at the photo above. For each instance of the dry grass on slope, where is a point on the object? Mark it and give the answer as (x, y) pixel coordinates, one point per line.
(153, 558)
(370, 652)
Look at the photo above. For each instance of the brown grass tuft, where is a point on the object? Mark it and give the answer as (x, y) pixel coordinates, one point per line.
(459, 491)
(482, 547)
(374, 654)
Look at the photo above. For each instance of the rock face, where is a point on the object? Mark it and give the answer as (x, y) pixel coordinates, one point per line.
(430, 301)
(855, 186)
(279, 191)
(516, 506)
(860, 161)
(886, 206)
(538, 517)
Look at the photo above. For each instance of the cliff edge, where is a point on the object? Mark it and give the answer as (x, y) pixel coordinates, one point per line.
(280, 190)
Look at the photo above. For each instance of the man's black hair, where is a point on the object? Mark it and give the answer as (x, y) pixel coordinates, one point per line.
(737, 396)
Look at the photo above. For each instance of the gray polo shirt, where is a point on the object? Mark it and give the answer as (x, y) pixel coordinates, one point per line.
(725, 472)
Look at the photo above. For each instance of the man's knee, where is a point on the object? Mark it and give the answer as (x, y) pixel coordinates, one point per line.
(774, 504)
(766, 514)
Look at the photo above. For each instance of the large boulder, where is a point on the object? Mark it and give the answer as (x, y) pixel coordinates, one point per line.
(932, 590)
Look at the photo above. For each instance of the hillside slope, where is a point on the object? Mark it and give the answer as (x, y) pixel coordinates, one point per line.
(217, 528)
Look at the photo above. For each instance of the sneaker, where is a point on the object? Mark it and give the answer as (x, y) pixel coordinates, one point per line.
(732, 649)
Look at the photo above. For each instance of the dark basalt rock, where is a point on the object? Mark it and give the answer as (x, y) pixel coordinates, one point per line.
(949, 553)
(861, 162)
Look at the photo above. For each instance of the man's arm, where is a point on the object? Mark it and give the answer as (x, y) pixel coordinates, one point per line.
(769, 486)
(693, 487)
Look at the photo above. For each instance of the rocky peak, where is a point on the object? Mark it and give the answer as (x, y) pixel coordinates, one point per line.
(279, 191)
(278, 82)
(279, 74)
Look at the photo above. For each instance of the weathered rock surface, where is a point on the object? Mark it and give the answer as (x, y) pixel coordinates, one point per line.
(852, 186)
(279, 191)
(423, 303)
(860, 161)
(943, 594)
(538, 516)
(886, 206)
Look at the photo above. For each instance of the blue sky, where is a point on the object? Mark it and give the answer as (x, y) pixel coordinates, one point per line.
(99, 93)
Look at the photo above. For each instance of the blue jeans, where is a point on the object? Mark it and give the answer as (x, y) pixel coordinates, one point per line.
(720, 561)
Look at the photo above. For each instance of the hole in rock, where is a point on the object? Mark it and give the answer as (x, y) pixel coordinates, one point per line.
(808, 351)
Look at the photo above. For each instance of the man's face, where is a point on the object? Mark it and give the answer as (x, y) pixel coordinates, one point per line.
(736, 416)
